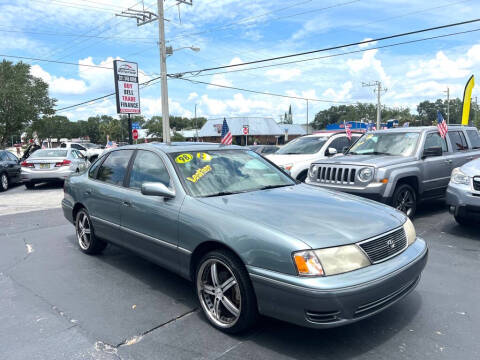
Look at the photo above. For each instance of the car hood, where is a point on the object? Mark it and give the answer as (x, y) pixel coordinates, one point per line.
(472, 168)
(318, 217)
(280, 159)
(370, 160)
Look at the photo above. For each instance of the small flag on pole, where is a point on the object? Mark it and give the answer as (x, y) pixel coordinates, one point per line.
(347, 130)
(226, 134)
(442, 125)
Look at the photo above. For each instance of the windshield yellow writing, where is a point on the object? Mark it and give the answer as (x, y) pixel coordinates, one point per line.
(199, 173)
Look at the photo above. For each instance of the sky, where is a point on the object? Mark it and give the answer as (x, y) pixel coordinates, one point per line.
(87, 32)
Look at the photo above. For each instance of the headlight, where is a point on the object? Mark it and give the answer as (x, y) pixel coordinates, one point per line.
(342, 259)
(365, 174)
(410, 231)
(287, 166)
(307, 263)
(458, 177)
(312, 170)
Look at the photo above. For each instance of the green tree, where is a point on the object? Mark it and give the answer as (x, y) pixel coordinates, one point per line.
(49, 127)
(23, 98)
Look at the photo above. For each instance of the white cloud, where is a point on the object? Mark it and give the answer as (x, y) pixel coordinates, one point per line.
(368, 66)
(59, 85)
(340, 95)
(192, 95)
(283, 74)
(219, 79)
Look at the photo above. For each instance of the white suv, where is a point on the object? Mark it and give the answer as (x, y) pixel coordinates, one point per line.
(89, 150)
(298, 154)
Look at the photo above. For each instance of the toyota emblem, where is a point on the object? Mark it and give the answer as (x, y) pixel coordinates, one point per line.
(391, 244)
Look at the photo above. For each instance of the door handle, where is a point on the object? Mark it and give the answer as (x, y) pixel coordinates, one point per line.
(126, 203)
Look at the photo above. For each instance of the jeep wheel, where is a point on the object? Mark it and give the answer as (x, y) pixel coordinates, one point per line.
(405, 200)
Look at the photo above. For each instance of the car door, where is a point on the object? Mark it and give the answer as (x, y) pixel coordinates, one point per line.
(461, 151)
(150, 222)
(436, 169)
(14, 168)
(474, 138)
(105, 192)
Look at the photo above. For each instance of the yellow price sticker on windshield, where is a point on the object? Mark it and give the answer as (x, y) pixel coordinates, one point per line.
(199, 173)
(183, 158)
(204, 157)
(369, 136)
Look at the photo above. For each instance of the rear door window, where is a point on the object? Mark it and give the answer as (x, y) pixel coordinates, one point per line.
(148, 167)
(458, 140)
(474, 138)
(114, 168)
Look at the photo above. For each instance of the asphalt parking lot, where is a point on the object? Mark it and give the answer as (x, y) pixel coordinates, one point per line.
(57, 303)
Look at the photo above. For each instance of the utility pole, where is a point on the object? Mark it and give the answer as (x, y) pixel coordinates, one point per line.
(144, 17)
(378, 90)
(196, 126)
(448, 105)
(307, 116)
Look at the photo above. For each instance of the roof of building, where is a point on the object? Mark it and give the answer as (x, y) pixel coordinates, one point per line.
(180, 146)
(293, 129)
(256, 126)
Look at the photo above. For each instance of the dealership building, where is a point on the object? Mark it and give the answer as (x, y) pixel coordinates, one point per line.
(262, 130)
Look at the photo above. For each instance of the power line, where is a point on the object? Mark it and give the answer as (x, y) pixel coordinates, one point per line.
(193, 72)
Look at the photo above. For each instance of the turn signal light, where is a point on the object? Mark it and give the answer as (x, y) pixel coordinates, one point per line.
(63, 163)
(384, 181)
(27, 164)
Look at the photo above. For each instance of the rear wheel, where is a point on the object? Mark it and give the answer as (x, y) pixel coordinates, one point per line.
(405, 200)
(87, 241)
(3, 182)
(225, 292)
(29, 185)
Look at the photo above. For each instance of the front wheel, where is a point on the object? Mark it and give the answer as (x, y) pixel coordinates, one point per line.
(3, 182)
(405, 200)
(225, 292)
(463, 218)
(87, 241)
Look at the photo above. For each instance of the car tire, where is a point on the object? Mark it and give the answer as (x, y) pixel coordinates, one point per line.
(29, 185)
(463, 218)
(4, 182)
(87, 241)
(227, 298)
(405, 199)
(302, 176)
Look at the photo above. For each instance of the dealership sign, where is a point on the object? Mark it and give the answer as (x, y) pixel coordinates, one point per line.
(126, 87)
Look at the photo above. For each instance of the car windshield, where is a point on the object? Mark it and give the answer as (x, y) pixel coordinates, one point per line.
(224, 172)
(400, 144)
(303, 145)
(49, 153)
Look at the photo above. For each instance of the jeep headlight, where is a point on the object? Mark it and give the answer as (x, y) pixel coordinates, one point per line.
(313, 169)
(458, 177)
(410, 231)
(365, 174)
(330, 261)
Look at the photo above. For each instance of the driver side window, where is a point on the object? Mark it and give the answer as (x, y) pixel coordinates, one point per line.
(435, 140)
(148, 167)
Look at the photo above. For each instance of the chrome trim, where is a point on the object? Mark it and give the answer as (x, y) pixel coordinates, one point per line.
(145, 236)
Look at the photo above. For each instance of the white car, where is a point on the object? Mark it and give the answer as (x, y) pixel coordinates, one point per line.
(89, 150)
(298, 154)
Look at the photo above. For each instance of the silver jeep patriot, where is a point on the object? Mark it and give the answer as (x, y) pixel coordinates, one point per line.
(399, 166)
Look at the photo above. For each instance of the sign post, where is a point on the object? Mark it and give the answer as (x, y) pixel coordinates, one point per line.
(245, 132)
(126, 89)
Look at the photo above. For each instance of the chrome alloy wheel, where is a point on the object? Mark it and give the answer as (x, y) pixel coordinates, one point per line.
(4, 181)
(83, 229)
(219, 293)
(405, 202)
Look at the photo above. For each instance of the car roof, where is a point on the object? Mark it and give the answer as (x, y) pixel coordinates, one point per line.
(419, 129)
(184, 146)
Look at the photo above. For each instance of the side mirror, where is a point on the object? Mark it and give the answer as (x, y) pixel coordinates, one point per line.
(433, 151)
(331, 151)
(157, 189)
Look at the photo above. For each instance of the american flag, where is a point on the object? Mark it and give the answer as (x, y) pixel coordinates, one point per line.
(226, 134)
(347, 130)
(442, 125)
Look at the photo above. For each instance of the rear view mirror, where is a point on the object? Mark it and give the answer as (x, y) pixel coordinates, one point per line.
(433, 151)
(331, 151)
(157, 189)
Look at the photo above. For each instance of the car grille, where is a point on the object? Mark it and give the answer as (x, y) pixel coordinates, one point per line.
(335, 174)
(383, 302)
(385, 246)
(476, 183)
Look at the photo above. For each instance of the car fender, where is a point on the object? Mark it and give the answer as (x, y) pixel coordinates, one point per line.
(399, 173)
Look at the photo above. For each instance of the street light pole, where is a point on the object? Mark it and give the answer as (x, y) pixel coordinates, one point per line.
(163, 73)
(196, 125)
(307, 116)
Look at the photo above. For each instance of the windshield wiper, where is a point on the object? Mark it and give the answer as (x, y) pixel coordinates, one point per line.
(274, 186)
(221, 193)
(375, 153)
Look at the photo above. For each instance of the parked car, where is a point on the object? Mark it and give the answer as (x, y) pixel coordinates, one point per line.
(9, 170)
(400, 166)
(298, 154)
(216, 215)
(55, 164)
(89, 150)
(463, 193)
(264, 149)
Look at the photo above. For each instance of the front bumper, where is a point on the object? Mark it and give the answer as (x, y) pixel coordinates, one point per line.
(341, 299)
(462, 197)
(60, 173)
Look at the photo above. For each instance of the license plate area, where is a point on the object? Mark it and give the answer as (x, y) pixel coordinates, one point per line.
(44, 166)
